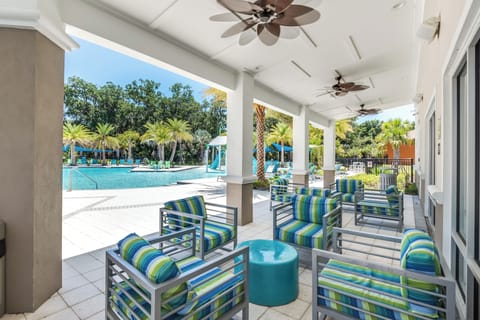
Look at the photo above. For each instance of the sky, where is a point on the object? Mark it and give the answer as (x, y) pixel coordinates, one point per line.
(99, 65)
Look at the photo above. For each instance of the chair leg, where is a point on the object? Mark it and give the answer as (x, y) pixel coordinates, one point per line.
(245, 313)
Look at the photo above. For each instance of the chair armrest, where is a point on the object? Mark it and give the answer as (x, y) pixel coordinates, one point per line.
(281, 213)
(333, 187)
(330, 220)
(222, 213)
(363, 238)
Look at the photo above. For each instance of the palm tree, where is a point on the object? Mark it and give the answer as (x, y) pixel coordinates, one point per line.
(281, 133)
(202, 137)
(260, 124)
(129, 139)
(104, 140)
(74, 134)
(395, 132)
(218, 95)
(342, 127)
(180, 131)
(158, 134)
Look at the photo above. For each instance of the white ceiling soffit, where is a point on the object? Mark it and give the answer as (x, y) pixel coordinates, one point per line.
(366, 41)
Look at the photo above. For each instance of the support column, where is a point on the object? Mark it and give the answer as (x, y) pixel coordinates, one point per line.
(300, 147)
(239, 143)
(31, 92)
(329, 135)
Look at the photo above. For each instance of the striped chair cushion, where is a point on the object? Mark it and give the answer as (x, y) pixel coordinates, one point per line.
(216, 234)
(280, 181)
(193, 205)
(311, 208)
(348, 185)
(355, 296)
(348, 197)
(123, 304)
(422, 256)
(377, 208)
(301, 233)
(409, 237)
(282, 197)
(129, 245)
(319, 192)
(392, 195)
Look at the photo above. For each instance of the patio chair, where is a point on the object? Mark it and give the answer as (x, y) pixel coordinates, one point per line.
(376, 206)
(137, 162)
(215, 224)
(347, 188)
(307, 222)
(168, 165)
(346, 286)
(162, 279)
(122, 162)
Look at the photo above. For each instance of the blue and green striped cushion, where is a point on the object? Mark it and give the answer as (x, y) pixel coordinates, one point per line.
(311, 208)
(348, 185)
(348, 197)
(282, 197)
(377, 208)
(319, 192)
(129, 245)
(280, 181)
(193, 205)
(392, 195)
(410, 236)
(154, 264)
(301, 233)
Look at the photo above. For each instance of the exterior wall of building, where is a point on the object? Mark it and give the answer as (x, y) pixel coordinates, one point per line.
(440, 62)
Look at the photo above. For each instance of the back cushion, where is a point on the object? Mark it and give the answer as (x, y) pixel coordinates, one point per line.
(193, 205)
(319, 192)
(129, 245)
(348, 185)
(280, 181)
(410, 236)
(311, 208)
(392, 195)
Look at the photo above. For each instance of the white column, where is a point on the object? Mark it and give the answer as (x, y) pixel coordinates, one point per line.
(329, 136)
(300, 146)
(239, 148)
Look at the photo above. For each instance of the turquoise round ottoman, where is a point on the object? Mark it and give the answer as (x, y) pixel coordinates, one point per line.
(273, 272)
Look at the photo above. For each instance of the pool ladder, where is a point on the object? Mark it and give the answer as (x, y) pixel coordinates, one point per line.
(83, 174)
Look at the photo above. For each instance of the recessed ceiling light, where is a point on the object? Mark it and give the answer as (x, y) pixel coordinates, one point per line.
(399, 5)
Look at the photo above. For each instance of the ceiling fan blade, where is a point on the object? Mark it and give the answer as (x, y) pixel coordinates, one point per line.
(346, 85)
(273, 28)
(289, 32)
(302, 14)
(240, 6)
(267, 37)
(246, 37)
(358, 87)
(238, 27)
(287, 21)
(282, 5)
(224, 17)
(341, 93)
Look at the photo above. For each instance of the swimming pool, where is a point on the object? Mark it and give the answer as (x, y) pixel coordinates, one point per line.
(84, 178)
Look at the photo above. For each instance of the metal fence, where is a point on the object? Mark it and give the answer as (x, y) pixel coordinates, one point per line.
(379, 165)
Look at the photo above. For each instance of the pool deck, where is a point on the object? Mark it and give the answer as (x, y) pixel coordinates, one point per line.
(94, 220)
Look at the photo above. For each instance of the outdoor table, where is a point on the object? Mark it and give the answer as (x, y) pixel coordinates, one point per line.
(273, 272)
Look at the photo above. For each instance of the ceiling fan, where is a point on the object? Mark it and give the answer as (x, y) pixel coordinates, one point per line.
(264, 18)
(364, 112)
(342, 88)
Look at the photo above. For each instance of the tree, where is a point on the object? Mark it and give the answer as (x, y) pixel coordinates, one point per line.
(179, 131)
(129, 139)
(342, 127)
(202, 137)
(103, 139)
(158, 134)
(281, 133)
(81, 102)
(74, 134)
(395, 132)
(260, 125)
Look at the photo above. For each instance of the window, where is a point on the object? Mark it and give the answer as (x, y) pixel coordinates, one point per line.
(461, 152)
(477, 155)
(431, 165)
(460, 274)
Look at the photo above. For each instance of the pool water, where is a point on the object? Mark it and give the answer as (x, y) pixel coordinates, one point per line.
(84, 178)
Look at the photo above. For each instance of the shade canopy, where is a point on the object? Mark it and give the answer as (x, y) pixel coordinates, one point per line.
(83, 149)
(279, 147)
(218, 141)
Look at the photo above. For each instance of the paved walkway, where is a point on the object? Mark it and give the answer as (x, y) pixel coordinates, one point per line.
(96, 220)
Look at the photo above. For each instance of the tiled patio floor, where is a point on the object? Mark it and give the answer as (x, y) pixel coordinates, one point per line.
(97, 219)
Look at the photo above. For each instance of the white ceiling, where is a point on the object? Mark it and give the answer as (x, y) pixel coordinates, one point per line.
(384, 36)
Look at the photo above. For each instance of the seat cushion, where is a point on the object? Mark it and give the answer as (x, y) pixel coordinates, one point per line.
(375, 207)
(282, 197)
(311, 208)
(193, 205)
(216, 234)
(301, 233)
(392, 195)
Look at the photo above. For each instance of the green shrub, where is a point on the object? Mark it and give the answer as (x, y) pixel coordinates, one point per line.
(372, 181)
(261, 185)
(411, 188)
